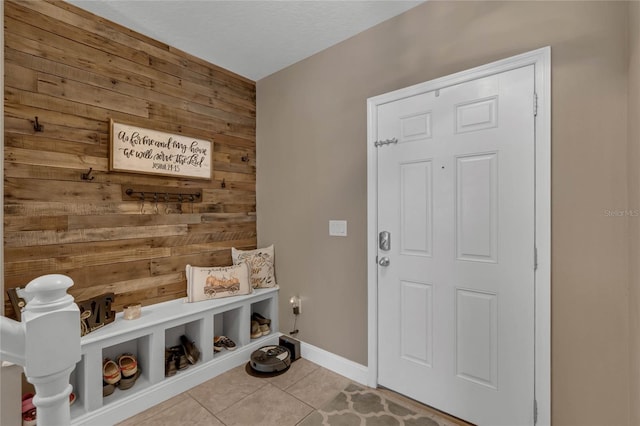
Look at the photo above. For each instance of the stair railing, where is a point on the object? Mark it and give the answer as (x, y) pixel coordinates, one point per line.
(47, 344)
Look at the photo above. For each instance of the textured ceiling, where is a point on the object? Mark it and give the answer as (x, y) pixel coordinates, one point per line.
(251, 38)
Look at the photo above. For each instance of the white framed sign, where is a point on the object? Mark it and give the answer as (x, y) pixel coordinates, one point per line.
(139, 150)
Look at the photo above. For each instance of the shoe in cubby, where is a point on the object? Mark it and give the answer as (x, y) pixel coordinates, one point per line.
(221, 343)
(263, 323)
(190, 349)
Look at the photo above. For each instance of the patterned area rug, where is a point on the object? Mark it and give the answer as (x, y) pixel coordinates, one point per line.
(357, 406)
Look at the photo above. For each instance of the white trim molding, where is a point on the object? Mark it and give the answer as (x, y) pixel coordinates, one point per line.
(541, 60)
(347, 368)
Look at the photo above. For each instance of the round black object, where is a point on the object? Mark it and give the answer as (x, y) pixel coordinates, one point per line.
(269, 359)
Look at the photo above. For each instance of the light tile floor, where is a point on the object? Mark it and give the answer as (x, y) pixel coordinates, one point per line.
(240, 399)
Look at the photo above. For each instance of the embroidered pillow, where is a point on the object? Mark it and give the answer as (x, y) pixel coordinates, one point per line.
(260, 263)
(218, 281)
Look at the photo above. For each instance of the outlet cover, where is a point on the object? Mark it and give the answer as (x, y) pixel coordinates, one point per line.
(338, 228)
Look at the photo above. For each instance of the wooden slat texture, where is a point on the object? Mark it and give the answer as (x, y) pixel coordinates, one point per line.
(111, 31)
(32, 238)
(53, 159)
(75, 72)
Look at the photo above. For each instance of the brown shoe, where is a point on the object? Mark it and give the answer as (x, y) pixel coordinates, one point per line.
(223, 342)
(169, 363)
(181, 358)
(262, 322)
(190, 350)
(127, 382)
(107, 389)
(128, 365)
(110, 372)
(255, 330)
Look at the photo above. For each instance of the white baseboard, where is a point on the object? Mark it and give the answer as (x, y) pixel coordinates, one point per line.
(347, 368)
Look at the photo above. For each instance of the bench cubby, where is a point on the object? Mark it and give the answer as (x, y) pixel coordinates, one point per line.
(160, 326)
(140, 348)
(230, 323)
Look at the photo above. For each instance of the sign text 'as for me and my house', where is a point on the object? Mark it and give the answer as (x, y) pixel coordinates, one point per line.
(140, 150)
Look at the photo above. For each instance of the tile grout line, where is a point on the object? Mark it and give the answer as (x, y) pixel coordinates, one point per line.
(306, 403)
(266, 381)
(301, 378)
(307, 416)
(240, 400)
(208, 411)
(286, 390)
(313, 409)
(188, 392)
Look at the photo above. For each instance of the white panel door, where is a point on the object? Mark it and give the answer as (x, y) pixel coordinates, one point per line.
(456, 299)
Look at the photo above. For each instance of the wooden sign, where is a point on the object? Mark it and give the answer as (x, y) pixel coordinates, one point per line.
(139, 150)
(96, 313)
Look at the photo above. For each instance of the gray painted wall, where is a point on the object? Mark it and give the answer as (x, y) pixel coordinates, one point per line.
(311, 165)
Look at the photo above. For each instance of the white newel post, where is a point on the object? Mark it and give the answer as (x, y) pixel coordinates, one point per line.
(47, 344)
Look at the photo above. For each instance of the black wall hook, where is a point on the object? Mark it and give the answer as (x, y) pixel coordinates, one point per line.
(245, 158)
(37, 126)
(223, 184)
(87, 176)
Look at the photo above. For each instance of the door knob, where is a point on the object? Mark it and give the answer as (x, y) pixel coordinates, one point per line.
(384, 261)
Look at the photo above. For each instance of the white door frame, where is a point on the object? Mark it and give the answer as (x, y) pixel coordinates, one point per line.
(541, 59)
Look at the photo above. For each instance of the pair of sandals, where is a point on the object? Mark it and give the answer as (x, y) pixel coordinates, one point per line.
(260, 326)
(122, 374)
(29, 410)
(180, 356)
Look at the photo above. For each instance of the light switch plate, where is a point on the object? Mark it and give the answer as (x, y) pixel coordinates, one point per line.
(338, 228)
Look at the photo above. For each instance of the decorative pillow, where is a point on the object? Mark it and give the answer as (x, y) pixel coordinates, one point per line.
(260, 263)
(217, 281)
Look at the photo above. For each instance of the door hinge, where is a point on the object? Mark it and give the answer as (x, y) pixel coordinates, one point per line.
(535, 411)
(535, 258)
(535, 104)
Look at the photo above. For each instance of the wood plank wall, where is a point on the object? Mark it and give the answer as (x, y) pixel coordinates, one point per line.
(75, 71)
